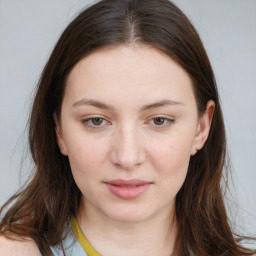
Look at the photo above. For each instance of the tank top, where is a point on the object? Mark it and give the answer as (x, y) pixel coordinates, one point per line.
(75, 243)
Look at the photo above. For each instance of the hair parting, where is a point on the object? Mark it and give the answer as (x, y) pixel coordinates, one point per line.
(42, 208)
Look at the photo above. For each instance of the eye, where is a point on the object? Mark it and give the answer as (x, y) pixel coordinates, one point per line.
(161, 121)
(94, 122)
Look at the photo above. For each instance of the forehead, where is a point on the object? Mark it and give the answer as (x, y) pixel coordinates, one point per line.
(137, 71)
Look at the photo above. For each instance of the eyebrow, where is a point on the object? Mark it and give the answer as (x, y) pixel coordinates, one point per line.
(93, 103)
(161, 103)
(101, 105)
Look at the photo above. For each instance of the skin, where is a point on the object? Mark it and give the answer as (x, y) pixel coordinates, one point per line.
(128, 142)
(139, 135)
(18, 248)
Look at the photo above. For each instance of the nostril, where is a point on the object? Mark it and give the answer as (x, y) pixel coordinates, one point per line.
(127, 159)
(127, 150)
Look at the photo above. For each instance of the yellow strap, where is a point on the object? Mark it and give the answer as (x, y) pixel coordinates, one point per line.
(82, 240)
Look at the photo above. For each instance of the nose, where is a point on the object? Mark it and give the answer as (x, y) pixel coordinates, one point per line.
(127, 151)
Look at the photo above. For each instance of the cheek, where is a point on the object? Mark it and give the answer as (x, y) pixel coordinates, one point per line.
(173, 168)
(86, 161)
(172, 152)
(171, 160)
(86, 156)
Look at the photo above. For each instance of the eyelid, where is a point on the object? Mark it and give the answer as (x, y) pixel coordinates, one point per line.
(169, 120)
(86, 121)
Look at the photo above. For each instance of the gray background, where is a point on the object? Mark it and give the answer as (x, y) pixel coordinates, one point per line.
(29, 30)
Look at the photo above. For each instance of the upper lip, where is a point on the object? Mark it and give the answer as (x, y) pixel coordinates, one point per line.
(133, 182)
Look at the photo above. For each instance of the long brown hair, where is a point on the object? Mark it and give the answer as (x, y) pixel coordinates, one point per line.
(43, 207)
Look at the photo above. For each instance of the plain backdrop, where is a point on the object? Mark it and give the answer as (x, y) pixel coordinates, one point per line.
(29, 29)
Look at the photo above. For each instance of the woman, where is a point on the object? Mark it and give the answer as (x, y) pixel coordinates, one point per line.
(128, 140)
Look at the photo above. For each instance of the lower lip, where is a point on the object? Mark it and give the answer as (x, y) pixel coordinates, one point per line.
(128, 192)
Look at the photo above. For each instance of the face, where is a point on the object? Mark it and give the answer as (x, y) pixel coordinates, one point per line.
(129, 125)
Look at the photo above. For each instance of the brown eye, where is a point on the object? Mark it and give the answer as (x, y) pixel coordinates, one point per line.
(159, 120)
(96, 121)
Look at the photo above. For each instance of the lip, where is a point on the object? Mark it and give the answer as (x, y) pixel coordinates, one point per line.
(128, 189)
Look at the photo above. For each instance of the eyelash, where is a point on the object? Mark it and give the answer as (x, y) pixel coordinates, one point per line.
(167, 121)
(88, 122)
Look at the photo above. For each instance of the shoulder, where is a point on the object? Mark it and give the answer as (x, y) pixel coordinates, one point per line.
(26, 247)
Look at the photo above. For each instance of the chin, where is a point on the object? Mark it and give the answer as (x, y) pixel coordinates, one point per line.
(128, 215)
(128, 219)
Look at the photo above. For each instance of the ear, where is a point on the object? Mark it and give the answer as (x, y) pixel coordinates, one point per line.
(59, 137)
(203, 128)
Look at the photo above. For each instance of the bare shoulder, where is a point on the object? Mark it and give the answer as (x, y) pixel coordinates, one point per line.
(18, 248)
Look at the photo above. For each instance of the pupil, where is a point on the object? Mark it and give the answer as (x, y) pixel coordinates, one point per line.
(97, 121)
(159, 120)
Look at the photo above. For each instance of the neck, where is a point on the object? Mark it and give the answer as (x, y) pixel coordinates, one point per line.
(153, 236)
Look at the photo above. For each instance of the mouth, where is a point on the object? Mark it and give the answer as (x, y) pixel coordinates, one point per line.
(128, 189)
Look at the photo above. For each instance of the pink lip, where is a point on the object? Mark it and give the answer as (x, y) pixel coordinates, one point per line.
(128, 189)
